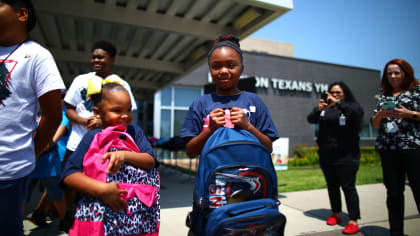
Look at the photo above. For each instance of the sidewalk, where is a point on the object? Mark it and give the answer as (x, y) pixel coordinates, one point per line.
(306, 211)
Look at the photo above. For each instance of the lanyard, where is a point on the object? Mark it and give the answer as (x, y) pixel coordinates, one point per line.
(11, 53)
(4, 92)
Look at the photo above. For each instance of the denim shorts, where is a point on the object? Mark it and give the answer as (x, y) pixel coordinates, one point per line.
(12, 198)
(50, 185)
(54, 191)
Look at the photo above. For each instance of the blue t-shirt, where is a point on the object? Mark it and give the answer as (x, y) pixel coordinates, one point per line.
(62, 142)
(75, 161)
(197, 117)
(49, 163)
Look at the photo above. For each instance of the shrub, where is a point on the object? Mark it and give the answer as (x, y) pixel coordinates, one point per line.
(303, 150)
(304, 156)
(308, 156)
(369, 155)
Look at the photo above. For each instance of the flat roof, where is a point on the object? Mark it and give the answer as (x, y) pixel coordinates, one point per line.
(158, 41)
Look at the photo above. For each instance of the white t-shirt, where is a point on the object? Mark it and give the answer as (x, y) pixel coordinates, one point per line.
(76, 96)
(31, 72)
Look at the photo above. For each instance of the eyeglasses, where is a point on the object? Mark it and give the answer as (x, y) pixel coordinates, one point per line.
(335, 92)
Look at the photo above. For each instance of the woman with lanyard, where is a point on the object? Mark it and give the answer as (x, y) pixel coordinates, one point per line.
(398, 141)
(339, 116)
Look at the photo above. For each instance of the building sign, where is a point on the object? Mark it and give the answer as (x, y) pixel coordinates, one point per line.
(280, 154)
(290, 85)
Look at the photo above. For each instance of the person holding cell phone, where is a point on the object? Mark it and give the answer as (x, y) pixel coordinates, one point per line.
(398, 141)
(339, 117)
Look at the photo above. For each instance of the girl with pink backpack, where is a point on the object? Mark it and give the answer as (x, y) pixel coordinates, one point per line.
(115, 171)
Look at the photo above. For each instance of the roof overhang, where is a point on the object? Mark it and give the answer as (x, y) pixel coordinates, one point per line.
(158, 41)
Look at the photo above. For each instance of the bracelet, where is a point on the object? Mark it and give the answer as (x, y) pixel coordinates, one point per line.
(414, 115)
(52, 144)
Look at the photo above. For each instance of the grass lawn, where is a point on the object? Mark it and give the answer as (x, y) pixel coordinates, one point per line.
(298, 179)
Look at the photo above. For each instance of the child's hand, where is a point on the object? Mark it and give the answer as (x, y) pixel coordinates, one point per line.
(111, 196)
(91, 122)
(239, 118)
(217, 119)
(116, 159)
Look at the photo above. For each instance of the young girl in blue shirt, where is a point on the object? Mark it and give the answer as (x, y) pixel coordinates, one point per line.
(207, 113)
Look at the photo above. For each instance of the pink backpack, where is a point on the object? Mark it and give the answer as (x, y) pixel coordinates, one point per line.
(142, 217)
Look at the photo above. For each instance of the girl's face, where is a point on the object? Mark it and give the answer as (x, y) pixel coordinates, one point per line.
(395, 76)
(337, 92)
(115, 109)
(225, 68)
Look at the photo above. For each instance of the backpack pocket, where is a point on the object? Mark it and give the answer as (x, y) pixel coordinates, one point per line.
(257, 217)
(239, 183)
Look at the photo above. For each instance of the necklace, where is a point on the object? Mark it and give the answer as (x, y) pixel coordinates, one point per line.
(11, 53)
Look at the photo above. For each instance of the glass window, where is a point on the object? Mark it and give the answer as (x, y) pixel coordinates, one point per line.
(374, 131)
(166, 97)
(368, 131)
(316, 130)
(365, 132)
(185, 96)
(174, 103)
(165, 123)
(179, 121)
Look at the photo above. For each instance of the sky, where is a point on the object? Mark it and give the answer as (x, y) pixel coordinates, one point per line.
(360, 33)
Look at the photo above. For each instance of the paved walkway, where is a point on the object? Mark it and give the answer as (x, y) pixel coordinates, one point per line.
(306, 211)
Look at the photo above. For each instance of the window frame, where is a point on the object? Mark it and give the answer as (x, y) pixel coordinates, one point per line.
(172, 108)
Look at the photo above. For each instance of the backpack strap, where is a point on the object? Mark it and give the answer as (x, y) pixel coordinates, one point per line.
(229, 123)
(120, 128)
(114, 136)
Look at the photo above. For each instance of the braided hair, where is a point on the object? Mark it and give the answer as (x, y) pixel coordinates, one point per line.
(226, 41)
(104, 95)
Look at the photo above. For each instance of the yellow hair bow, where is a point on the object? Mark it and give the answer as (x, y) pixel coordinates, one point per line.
(95, 83)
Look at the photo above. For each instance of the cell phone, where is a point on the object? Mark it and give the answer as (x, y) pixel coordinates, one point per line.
(388, 106)
(324, 97)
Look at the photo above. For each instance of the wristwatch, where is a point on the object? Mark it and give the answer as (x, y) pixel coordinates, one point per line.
(414, 115)
(338, 102)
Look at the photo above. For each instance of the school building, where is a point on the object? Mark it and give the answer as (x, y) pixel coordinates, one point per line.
(162, 53)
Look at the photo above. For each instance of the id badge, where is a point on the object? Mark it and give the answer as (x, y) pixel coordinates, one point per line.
(342, 120)
(391, 127)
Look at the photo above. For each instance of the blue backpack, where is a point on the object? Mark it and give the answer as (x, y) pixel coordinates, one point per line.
(235, 191)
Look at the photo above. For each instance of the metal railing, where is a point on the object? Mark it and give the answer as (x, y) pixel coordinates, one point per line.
(177, 159)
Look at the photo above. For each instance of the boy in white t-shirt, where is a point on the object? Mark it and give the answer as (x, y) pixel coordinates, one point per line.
(79, 106)
(29, 81)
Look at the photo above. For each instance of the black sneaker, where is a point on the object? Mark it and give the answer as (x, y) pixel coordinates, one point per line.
(64, 226)
(66, 223)
(52, 214)
(38, 218)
